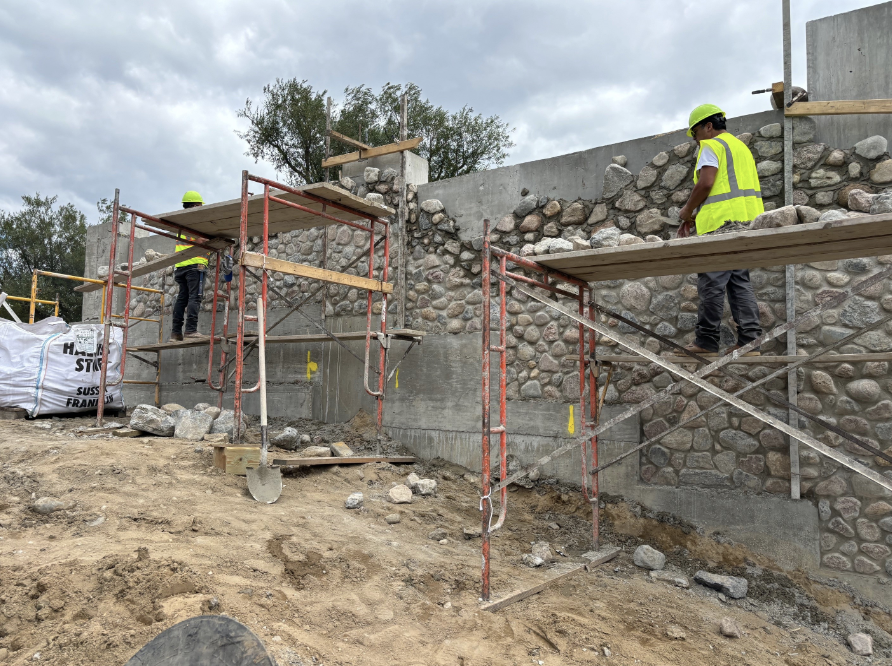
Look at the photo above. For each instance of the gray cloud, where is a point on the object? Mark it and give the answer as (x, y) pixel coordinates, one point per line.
(142, 96)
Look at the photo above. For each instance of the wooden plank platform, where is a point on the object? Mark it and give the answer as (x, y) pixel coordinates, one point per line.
(258, 260)
(159, 264)
(335, 460)
(755, 360)
(222, 219)
(404, 334)
(867, 236)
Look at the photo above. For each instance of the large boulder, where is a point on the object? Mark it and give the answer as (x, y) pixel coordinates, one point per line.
(192, 424)
(779, 217)
(224, 423)
(147, 418)
(288, 439)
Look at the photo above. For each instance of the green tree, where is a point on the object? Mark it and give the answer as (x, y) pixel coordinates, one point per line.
(287, 128)
(48, 237)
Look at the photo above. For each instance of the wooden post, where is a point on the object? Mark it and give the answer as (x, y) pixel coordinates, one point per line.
(792, 382)
(403, 214)
(325, 229)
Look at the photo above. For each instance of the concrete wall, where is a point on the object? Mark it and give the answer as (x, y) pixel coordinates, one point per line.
(849, 57)
(494, 193)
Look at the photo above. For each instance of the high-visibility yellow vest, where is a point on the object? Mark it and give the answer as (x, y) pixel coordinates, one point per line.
(194, 261)
(736, 195)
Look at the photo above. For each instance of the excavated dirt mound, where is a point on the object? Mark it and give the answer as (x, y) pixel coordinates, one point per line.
(148, 533)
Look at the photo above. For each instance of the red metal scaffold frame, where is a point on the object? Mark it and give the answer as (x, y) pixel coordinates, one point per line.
(588, 407)
(200, 240)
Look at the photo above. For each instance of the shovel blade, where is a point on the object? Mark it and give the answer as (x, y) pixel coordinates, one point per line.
(265, 483)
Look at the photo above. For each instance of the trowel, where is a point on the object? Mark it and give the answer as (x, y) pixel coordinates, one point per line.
(264, 481)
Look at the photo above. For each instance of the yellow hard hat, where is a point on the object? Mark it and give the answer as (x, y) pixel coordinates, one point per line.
(700, 113)
(192, 197)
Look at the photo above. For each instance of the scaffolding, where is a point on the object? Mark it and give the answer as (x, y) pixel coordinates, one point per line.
(859, 237)
(217, 229)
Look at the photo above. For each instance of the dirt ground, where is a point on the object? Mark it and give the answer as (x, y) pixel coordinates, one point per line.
(152, 534)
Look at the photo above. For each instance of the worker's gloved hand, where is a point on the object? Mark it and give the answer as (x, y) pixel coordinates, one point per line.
(684, 230)
(227, 267)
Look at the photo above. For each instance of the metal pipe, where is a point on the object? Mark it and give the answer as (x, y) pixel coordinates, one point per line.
(126, 317)
(317, 213)
(240, 320)
(790, 269)
(178, 237)
(485, 500)
(383, 346)
(368, 319)
(106, 311)
(595, 415)
(533, 266)
(537, 283)
(503, 398)
(326, 202)
(199, 237)
(28, 300)
(158, 353)
(209, 380)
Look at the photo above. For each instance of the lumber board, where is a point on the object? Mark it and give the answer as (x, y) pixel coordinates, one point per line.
(840, 107)
(160, 264)
(397, 333)
(755, 360)
(224, 218)
(236, 459)
(335, 460)
(604, 555)
(867, 236)
(343, 138)
(258, 260)
(377, 151)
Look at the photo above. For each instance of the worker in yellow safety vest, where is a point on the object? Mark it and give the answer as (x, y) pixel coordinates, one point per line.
(726, 198)
(189, 275)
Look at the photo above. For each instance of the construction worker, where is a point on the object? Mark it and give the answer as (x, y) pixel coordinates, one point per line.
(726, 197)
(189, 275)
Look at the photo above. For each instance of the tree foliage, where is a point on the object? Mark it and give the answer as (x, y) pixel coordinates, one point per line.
(48, 237)
(287, 129)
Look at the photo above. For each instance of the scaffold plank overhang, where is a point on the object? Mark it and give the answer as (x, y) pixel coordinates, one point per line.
(259, 260)
(222, 219)
(870, 235)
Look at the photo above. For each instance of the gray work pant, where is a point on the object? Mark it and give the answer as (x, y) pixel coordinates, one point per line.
(711, 288)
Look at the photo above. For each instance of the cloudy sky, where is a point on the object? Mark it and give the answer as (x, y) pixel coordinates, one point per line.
(98, 94)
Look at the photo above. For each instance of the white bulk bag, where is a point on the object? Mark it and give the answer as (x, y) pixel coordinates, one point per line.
(53, 368)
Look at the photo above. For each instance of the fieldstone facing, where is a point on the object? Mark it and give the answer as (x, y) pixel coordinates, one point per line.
(871, 147)
(151, 419)
(615, 179)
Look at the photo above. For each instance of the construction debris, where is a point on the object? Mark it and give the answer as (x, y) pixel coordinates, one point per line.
(354, 501)
(732, 586)
(648, 558)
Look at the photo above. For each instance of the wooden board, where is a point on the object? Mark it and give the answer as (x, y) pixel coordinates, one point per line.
(756, 360)
(867, 236)
(605, 555)
(840, 107)
(223, 219)
(258, 260)
(236, 459)
(160, 264)
(377, 151)
(343, 138)
(309, 462)
(404, 334)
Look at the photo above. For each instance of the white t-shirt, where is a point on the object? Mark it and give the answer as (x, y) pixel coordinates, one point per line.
(707, 158)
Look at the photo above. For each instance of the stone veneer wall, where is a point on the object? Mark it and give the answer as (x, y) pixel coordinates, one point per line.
(726, 449)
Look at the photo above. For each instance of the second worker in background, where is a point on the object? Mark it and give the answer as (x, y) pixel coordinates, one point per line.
(189, 275)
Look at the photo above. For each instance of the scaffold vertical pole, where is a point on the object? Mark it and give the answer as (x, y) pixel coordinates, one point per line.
(485, 500)
(790, 270)
(593, 415)
(240, 319)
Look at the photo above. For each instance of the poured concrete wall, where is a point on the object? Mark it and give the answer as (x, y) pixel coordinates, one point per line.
(849, 57)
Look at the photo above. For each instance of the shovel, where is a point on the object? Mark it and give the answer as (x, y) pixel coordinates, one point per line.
(264, 481)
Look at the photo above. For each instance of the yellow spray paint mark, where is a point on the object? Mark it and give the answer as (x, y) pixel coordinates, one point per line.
(571, 425)
(311, 367)
(397, 378)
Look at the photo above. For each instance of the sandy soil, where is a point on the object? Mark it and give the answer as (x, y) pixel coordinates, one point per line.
(153, 534)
